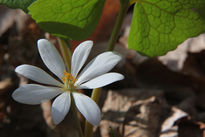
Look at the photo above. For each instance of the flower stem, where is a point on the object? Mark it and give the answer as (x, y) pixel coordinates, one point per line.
(66, 53)
(67, 58)
(75, 116)
(96, 92)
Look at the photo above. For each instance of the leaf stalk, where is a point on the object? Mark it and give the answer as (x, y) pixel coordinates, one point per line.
(65, 50)
(111, 45)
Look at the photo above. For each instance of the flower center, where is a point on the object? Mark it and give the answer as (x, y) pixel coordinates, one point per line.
(68, 81)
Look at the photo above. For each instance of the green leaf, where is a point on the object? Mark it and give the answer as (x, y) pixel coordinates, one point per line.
(159, 26)
(17, 4)
(74, 19)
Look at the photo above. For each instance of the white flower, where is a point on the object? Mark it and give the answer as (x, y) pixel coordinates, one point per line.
(94, 75)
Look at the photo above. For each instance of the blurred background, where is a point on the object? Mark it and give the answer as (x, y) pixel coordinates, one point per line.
(159, 97)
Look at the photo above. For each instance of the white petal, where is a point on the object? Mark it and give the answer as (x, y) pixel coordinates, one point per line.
(98, 66)
(36, 74)
(79, 56)
(35, 94)
(101, 81)
(60, 107)
(51, 57)
(88, 108)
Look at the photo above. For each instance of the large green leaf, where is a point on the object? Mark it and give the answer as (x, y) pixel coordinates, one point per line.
(159, 26)
(17, 4)
(74, 19)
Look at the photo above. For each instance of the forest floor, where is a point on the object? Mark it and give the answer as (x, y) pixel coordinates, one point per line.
(159, 97)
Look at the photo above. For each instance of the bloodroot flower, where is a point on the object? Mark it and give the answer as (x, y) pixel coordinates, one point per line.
(94, 75)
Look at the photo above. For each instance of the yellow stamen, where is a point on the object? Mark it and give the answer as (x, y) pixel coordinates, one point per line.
(68, 81)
